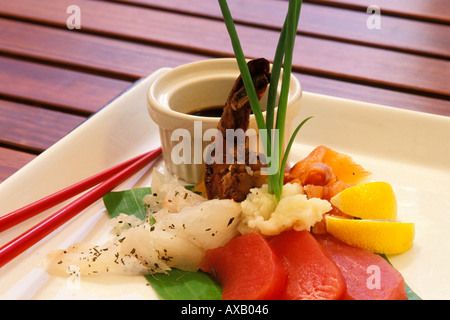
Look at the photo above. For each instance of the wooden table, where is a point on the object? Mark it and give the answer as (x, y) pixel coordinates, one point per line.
(53, 78)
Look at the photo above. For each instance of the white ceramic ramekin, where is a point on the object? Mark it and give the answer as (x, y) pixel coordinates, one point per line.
(178, 91)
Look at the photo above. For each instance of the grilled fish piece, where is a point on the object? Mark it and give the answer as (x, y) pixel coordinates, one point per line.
(234, 180)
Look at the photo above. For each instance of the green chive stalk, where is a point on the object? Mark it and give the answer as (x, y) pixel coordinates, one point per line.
(242, 63)
(247, 80)
(271, 98)
(283, 57)
(292, 19)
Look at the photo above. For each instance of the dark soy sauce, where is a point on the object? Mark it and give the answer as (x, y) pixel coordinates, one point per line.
(211, 111)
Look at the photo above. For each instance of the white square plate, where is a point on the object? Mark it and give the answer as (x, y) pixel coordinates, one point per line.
(407, 149)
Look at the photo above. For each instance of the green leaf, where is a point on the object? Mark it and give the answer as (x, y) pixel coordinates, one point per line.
(128, 202)
(192, 188)
(176, 284)
(185, 285)
(409, 293)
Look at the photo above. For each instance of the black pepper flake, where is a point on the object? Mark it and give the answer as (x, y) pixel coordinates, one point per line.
(230, 221)
(166, 258)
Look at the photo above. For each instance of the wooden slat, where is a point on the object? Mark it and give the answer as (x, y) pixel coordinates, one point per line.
(328, 22)
(96, 53)
(11, 161)
(35, 128)
(61, 88)
(139, 60)
(432, 10)
(316, 56)
(43, 63)
(370, 94)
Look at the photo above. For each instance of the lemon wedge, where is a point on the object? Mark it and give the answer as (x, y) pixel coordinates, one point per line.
(380, 236)
(372, 200)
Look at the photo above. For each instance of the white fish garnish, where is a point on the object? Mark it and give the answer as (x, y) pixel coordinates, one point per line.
(170, 194)
(183, 231)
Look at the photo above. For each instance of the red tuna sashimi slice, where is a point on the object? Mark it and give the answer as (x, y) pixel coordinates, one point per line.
(368, 275)
(312, 274)
(247, 267)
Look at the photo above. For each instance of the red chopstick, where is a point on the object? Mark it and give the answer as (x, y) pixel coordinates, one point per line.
(18, 245)
(11, 219)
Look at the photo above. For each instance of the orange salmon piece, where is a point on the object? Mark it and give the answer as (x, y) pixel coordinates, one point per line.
(334, 165)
